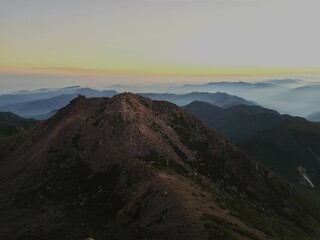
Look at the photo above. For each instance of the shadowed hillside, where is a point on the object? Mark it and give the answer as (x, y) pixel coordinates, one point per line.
(130, 168)
(11, 124)
(238, 122)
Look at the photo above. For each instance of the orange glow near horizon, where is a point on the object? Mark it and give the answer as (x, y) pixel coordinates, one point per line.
(188, 72)
(159, 38)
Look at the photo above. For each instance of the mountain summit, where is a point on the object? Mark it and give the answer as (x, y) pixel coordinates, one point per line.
(128, 167)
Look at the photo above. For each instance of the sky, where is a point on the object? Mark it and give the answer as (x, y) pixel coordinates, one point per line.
(121, 40)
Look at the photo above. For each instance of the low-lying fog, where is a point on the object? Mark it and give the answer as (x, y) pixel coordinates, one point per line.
(298, 97)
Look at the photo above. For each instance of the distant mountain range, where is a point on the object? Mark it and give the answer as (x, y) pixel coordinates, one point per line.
(224, 85)
(29, 96)
(288, 96)
(219, 98)
(128, 167)
(287, 81)
(39, 107)
(46, 102)
(241, 87)
(314, 117)
(46, 116)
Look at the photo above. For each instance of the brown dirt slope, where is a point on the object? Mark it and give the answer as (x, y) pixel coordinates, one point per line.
(130, 168)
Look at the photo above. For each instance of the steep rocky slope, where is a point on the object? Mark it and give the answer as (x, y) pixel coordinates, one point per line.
(287, 148)
(132, 168)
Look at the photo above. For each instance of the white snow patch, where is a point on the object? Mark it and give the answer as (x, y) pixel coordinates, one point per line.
(308, 180)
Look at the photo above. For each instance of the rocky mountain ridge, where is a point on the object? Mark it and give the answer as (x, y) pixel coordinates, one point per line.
(131, 168)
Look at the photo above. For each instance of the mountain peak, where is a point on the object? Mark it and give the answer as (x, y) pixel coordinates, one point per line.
(130, 98)
(134, 168)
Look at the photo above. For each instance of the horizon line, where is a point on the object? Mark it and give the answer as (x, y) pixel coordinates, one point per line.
(161, 72)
